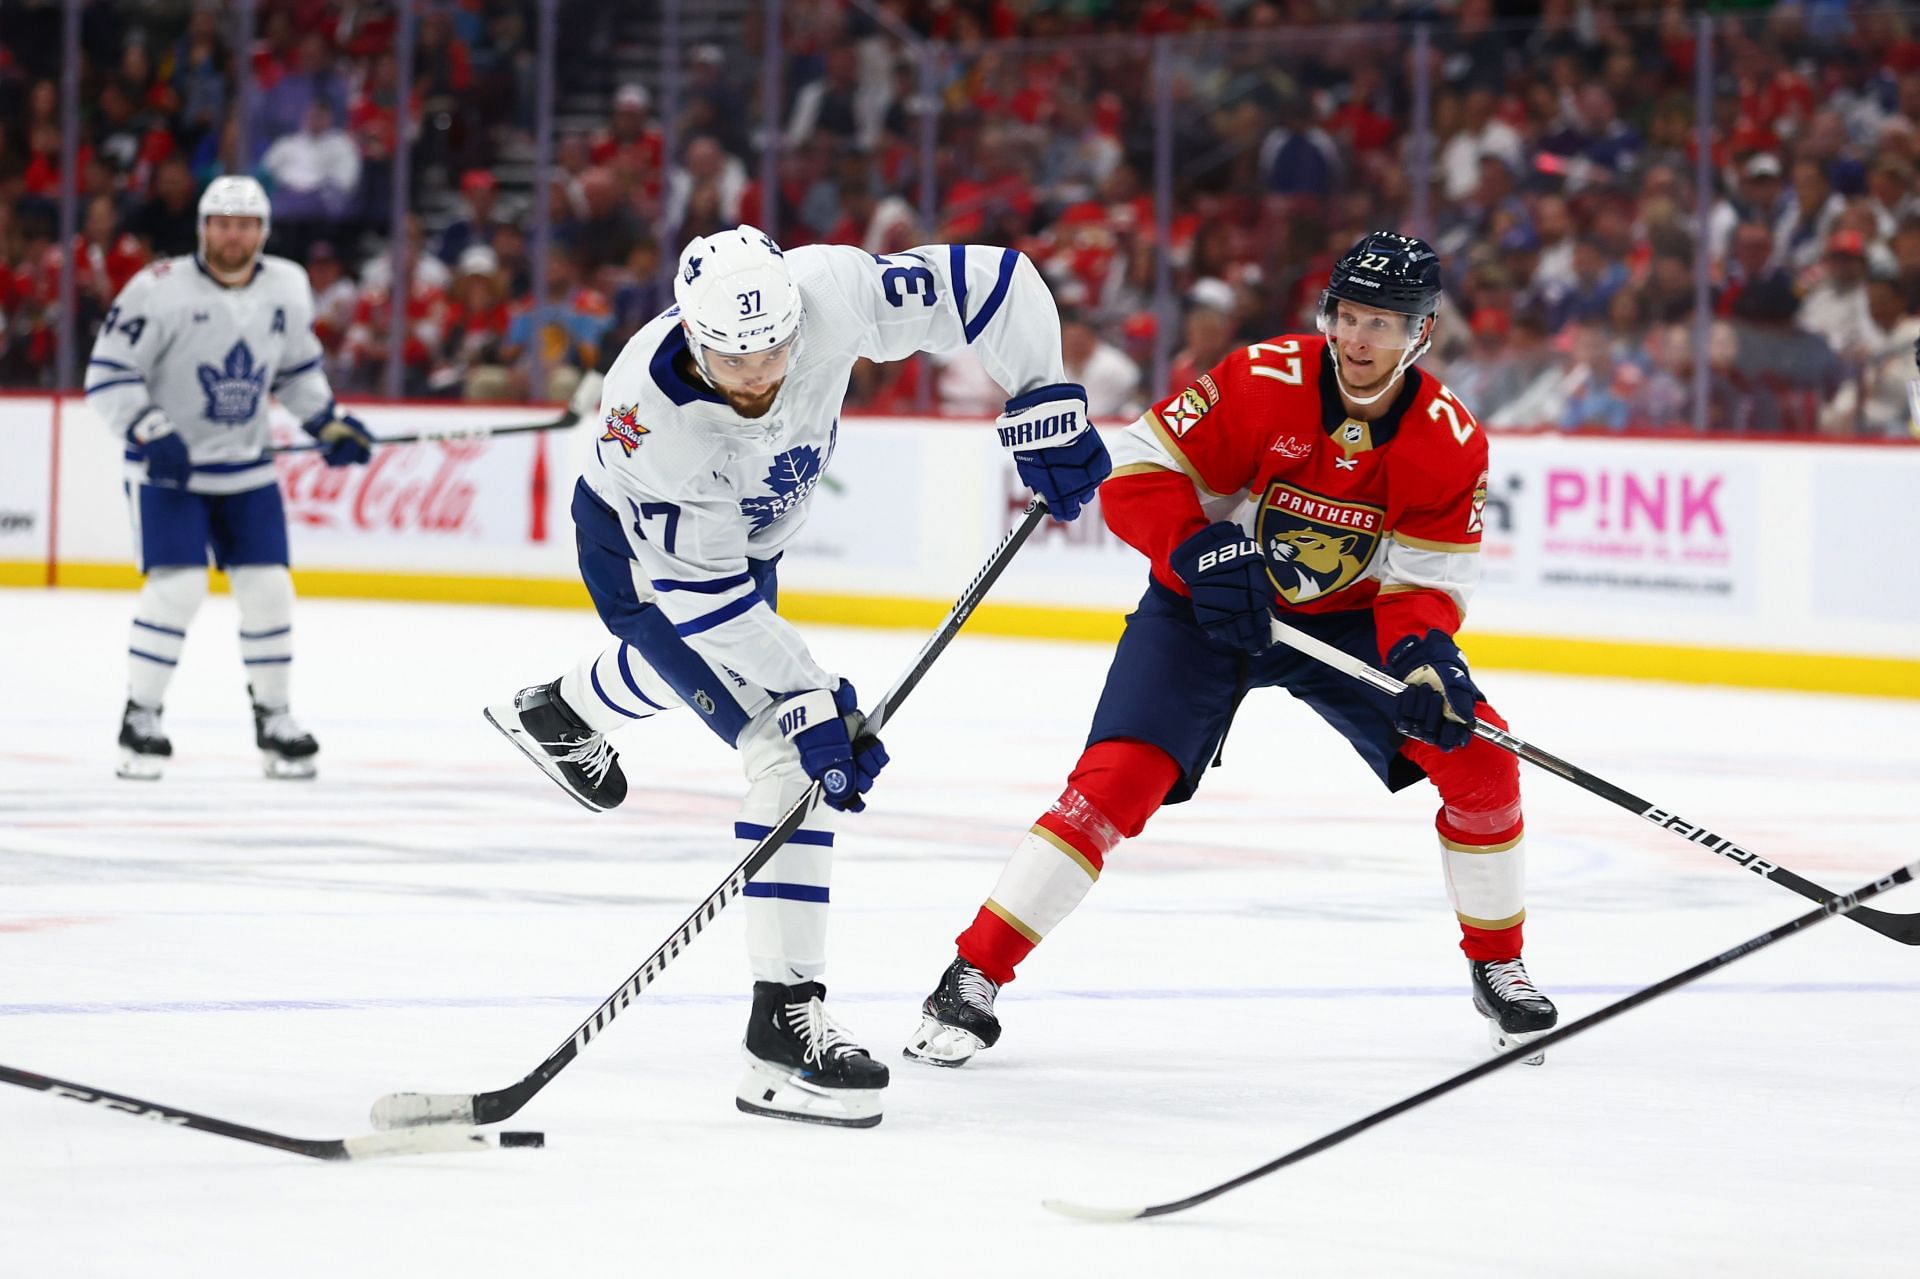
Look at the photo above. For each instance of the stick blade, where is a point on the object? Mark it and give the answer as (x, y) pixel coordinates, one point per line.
(421, 1109)
(416, 1141)
(1089, 1212)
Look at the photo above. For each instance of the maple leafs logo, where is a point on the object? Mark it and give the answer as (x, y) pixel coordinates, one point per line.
(624, 429)
(233, 389)
(791, 477)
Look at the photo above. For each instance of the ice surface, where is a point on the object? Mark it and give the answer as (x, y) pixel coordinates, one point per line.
(1264, 965)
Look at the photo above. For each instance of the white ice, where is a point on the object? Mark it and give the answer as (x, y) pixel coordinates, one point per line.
(1266, 964)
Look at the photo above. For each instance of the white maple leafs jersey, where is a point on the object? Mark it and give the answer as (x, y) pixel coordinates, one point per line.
(178, 344)
(699, 490)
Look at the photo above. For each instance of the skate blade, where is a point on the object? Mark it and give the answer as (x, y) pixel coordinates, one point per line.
(1505, 1041)
(507, 720)
(938, 1044)
(777, 1094)
(140, 768)
(281, 769)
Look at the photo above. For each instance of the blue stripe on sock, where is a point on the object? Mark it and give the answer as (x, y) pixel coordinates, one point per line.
(259, 635)
(265, 661)
(626, 673)
(788, 892)
(164, 630)
(753, 830)
(594, 676)
(152, 657)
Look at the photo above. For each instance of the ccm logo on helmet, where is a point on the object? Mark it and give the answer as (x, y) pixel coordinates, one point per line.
(1059, 425)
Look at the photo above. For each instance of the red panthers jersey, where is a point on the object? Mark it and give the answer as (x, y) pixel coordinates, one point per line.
(1384, 514)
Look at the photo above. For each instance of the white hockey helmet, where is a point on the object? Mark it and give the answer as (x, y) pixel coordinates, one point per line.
(735, 294)
(235, 196)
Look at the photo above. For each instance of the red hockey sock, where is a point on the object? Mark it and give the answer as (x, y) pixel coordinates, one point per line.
(1487, 945)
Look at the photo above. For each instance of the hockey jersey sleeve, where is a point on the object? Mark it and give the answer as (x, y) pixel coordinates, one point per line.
(945, 297)
(133, 336)
(300, 383)
(1431, 563)
(1184, 462)
(681, 523)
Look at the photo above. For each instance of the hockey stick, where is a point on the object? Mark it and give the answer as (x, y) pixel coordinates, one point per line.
(1903, 928)
(1832, 906)
(560, 423)
(371, 1146)
(406, 1109)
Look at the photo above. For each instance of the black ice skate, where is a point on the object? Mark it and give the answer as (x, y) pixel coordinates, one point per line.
(957, 1020)
(579, 760)
(1515, 1009)
(144, 748)
(801, 1065)
(286, 750)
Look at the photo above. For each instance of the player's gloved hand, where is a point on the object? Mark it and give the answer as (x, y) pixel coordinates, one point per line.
(1055, 448)
(164, 452)
(1226, 574)
(825, 728)
(1437, 705)
(344, 439)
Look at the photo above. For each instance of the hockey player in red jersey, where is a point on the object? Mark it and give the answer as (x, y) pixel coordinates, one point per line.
(1328, 478)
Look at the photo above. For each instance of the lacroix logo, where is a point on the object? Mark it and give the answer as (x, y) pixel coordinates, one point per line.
(421, 489)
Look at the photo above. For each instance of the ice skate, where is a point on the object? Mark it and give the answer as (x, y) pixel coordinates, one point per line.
(579, 760)
(144, 747)
(1515, 1009)
(957, 1020)
(802, 1066)
(287, 750)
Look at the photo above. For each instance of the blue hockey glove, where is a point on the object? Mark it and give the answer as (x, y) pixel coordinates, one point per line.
(344, 438)
(817, 724)
(1055, 448)
(1437, 705)
(1226, 574)
(164, 452)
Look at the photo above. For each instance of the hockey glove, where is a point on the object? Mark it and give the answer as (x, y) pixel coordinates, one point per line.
(160, 446)
(344, 439)
(1226, 574)
(818, 723)
(1437, 704)
(1055, 448)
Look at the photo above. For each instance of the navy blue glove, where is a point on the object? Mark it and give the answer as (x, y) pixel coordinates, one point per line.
(817, 724)
(164, 452)
(1226, 574)
(1437, 704)
(344, 438)
(1055, 448)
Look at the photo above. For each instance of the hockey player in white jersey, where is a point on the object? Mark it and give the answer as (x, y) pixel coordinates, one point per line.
(717, 421)
(182, 369)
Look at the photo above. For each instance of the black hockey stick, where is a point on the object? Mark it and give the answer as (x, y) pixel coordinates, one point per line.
(560, 423)
(1903, 928)
(371, 1146)
(406, 1109)
(1832, 906)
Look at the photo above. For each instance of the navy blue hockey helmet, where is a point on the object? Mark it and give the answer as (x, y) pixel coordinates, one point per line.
(1391, 271)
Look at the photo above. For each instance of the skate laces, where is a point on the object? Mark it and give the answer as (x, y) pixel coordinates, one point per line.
(824, 1037)
(280, 726)
(1509, 980)
(144, 720)
(594, 754)
(975, 988)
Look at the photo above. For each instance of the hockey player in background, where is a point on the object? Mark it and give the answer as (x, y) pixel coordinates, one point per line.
(1329, 478)
(182, 368)
(717, 421)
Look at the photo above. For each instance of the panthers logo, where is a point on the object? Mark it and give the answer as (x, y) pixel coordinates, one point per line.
(1315, 546)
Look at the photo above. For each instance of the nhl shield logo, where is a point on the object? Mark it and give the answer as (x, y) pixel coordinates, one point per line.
(624, 429)
(1315, 546)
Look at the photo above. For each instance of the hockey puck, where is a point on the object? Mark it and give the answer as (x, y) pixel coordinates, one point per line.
(534, 1139)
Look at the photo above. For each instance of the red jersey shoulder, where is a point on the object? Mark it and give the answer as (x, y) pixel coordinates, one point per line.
(1441, 431)
(1259, 383)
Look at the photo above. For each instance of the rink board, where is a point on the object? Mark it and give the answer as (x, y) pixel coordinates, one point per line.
(1762, 564)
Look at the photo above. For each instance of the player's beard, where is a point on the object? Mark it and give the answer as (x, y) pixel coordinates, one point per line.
(228, 261)
(752, 405)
